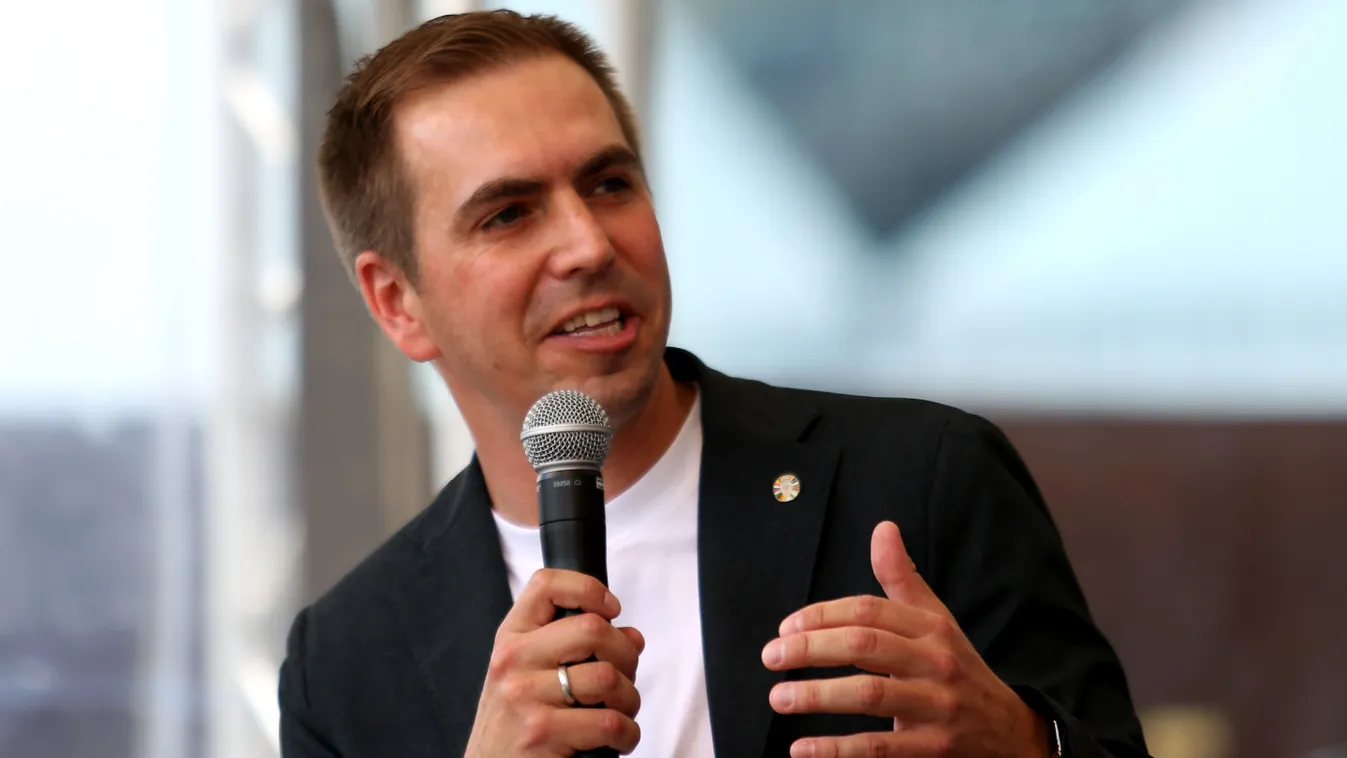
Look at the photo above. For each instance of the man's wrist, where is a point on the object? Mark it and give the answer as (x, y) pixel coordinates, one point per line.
(1042, 735)
(1045, 738)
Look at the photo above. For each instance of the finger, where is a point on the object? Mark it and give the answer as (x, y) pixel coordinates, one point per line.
(549, 589)
(594, 683)
(575, 639)
(863, 610)
(591, 728)
(896, 572)
(908, 701)
(866, 648)
(916, 743)
(635, 636)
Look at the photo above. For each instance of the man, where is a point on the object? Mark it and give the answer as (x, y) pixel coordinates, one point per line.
(810, 574)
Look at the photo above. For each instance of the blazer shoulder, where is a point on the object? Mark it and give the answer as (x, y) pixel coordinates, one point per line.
(355, 613)
(359, 653)
(331, 641)
(354, 609)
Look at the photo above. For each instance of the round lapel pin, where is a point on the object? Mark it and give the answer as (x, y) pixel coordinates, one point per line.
(786, 488)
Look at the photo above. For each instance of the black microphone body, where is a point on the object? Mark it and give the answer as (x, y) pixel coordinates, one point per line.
(574, 536)
(571, 524)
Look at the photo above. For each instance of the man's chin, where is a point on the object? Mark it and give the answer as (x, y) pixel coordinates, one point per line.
(621, 389)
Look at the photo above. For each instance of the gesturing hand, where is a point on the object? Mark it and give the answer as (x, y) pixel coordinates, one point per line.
(943, 698)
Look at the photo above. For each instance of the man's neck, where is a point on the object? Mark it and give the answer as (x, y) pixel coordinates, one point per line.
(637, 447)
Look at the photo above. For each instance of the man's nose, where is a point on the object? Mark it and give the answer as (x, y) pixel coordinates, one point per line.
(581, 243)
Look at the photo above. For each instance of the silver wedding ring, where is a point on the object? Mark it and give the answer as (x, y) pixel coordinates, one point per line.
(565, 678)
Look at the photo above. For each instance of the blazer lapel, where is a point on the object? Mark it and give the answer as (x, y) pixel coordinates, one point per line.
(756, 554)
(454, 596)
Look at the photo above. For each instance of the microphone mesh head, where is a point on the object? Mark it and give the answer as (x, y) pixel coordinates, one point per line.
(566, 425)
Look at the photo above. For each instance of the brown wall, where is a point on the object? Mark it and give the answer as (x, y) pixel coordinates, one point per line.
(1214, 554)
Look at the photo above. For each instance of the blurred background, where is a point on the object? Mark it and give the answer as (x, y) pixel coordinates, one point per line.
(1118, 229)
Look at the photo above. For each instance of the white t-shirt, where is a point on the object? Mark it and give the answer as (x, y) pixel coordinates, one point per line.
(652, 568)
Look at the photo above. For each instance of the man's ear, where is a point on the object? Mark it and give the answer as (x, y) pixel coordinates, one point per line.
(395, 306)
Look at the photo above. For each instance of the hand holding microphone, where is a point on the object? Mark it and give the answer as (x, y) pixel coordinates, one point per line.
(560, 681)
(523, 709)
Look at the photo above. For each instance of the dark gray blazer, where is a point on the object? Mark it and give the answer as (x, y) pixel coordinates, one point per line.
(390, 662)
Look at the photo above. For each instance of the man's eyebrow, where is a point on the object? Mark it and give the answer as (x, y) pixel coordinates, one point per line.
(612, 156)
(494, 191)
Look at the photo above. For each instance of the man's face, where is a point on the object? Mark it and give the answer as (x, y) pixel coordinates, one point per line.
(540, 259)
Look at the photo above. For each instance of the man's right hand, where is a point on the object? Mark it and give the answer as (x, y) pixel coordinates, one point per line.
(522, 711)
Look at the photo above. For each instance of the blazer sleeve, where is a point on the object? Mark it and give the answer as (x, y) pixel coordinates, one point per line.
(301, 735)
(997, 561)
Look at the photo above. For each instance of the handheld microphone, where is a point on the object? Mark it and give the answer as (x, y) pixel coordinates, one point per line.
(566, 437)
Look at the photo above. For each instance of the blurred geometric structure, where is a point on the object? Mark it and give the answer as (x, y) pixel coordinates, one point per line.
(1167, 238)
(898, 99)
(77, 536)
(1172, 242)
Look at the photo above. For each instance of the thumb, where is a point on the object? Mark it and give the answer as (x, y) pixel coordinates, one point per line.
(896, 572)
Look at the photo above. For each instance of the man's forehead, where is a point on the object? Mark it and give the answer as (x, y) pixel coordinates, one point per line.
(530, 118)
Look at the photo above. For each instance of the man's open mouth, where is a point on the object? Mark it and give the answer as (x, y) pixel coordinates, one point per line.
(603, 322)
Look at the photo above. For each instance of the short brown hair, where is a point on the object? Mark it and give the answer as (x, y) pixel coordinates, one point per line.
(367, 196)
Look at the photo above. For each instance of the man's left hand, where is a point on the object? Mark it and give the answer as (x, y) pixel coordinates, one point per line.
(927, 676)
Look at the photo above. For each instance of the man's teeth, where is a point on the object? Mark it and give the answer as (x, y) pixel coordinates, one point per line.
(610, 317)
(608, 330)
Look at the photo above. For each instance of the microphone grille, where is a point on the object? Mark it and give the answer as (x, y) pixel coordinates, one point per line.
(566, 426)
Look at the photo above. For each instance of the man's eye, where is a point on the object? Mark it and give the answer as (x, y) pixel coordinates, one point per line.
(612, 184)
(506, 217)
